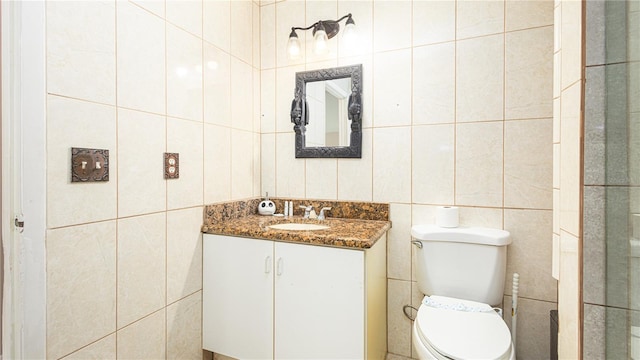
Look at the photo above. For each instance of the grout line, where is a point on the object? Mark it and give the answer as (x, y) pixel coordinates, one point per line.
(116, 221)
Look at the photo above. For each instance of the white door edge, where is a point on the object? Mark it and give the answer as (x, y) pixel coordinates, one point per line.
(24, 178)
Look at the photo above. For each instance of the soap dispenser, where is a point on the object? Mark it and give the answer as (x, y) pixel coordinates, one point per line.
(266, 206)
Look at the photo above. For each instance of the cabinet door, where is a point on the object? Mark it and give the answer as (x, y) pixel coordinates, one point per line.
(319, 306)
(237, 297)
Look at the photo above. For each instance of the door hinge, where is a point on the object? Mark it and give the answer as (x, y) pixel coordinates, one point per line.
(18, 221)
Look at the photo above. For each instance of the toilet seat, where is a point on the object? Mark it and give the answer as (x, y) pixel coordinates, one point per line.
(455, 334)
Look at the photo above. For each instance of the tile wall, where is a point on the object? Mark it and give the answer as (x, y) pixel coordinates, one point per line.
(458, 110)
(611, 258)
(141, 78)
(567, 158)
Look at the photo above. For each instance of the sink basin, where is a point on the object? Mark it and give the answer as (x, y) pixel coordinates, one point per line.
(297, 227)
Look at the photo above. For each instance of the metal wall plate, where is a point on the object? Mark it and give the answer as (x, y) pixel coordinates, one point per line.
(89, 165)
(171, 165)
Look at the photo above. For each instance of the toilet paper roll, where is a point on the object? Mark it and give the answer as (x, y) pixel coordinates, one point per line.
(447, 216)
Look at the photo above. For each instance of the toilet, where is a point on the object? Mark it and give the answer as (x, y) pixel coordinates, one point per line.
(462, 272)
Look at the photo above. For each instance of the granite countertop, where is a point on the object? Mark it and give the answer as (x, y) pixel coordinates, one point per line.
(342, 232)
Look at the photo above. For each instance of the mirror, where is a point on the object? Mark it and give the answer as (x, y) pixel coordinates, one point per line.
(327, 113)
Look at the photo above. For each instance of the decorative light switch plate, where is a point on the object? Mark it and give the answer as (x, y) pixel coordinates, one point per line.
(171, 165)
(89, 165)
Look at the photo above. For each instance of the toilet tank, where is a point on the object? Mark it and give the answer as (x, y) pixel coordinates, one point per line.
(464, 262)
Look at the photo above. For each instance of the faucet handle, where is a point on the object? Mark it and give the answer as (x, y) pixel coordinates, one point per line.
(322, 216)
(307, 210)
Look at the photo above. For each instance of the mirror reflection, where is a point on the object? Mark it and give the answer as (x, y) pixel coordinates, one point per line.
(328, 112)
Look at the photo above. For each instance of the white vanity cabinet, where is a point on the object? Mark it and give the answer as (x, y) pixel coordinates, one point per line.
(266, 299)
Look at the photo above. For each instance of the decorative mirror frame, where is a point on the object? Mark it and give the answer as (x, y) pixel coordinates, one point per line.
(300, 115)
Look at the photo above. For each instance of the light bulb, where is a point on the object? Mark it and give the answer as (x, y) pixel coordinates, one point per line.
(320, 42)
(293, 46)
(350, 35)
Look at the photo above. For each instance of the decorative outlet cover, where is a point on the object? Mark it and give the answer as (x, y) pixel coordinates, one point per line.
(171, 165)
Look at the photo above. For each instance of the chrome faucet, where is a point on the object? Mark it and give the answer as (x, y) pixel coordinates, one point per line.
(322, 216)
(307, 210)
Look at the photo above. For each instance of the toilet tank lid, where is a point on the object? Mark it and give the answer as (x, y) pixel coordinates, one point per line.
(472, 235)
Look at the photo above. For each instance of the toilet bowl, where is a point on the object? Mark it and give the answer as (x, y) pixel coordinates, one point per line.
(463, 269)
(460, 329)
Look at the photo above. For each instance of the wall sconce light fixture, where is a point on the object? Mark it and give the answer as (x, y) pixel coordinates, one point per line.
(323, 30)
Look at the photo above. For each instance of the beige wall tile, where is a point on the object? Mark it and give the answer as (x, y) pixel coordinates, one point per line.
(73, 123)
(392, 89)
(268, 101)
(141, 142)
(184, 328)
(241, 95)
(399, 244)
(290, 179)
(571, 40)
(529, 74)
(480, 78)
(556, 211)
(386, 17)
(144, 339)
(556, 164)
(186, 138)
(557, 32)
(186, 14)
(255, 35)
(241, 30)
(216, 21)
(256, 113)
(217, 163)
(528, 14)
(268, 36)
(433, 164)
(155, 6)
(184, 74)
(557, 59)
(528, 164)
(141, 35)
(479, 18)
(142, 276)
(184, 253)
(217, 86)
(569, 298)
(257, 165)
(433, 22)
(434, 83)
(530, 253)
(241, 164)
(81, 286)
(423, 214)
(268, 163)
(570, 160)
(482, 217)
(355, 176)
(391, 165)
(479, 164)
(104, 348)
(398, 326)
(81, 50)
(322, 179)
